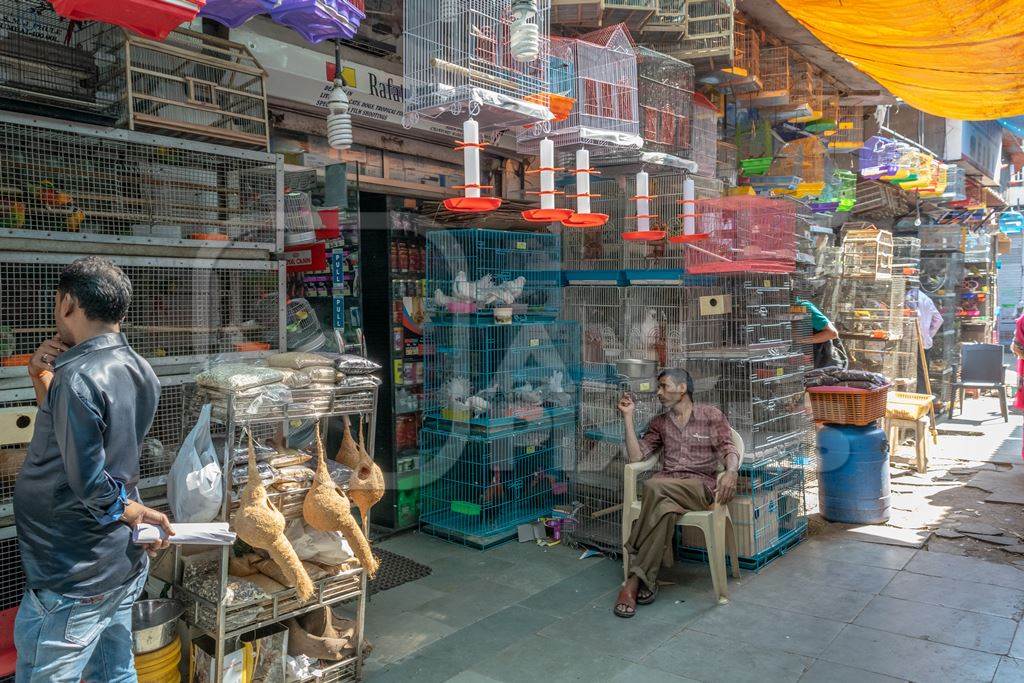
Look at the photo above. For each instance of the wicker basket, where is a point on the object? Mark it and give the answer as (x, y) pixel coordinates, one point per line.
(848, 406)
(907, 406)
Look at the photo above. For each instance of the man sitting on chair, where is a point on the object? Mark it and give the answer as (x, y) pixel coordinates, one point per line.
(695, 441)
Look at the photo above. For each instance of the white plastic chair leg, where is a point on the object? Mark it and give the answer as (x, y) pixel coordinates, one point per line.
(730, 541)
(714, 539)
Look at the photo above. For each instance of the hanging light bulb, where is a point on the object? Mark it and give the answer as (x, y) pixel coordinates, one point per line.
(339, 121)
(525, 33)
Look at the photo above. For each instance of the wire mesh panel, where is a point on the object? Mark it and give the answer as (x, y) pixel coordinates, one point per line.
(48, 64)
(498, 376)
(666, 102)
(906, 257)
(598, 71)
(668, 23)
(774, 69)
(904, 375)
(941, 273)
(745, 234)
(197, 86)
(654, 317)
(12, 585)
(746, 60)
(867, 252)
(598, 310)
(181, 312)
(472, 274)
(870, 309)
(477, 487)
(726, 163)
(595, 256)
(483, 58)
(704, 150)
(70, 181)
(709, 25)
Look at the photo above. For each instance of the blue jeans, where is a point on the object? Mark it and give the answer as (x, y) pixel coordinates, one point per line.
(64, 640)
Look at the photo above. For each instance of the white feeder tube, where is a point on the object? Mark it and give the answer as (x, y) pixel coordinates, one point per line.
(689, 207)
(643, 204)
(471, 156)
(547, 178)
(582, 181)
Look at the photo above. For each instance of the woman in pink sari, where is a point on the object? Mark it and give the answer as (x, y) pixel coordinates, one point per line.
(1018, 350)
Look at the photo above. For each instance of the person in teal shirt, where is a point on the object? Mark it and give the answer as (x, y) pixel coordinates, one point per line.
(823, 332)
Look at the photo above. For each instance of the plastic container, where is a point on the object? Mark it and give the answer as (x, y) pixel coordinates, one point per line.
(848, 406)
(853, 475)
(904, 405)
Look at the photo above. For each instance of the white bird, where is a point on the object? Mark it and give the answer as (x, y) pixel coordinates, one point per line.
(555, 383)
(462, 289)
(650, 333)
(526, 393)
(442, 299)
(511, 290)
(478, 405)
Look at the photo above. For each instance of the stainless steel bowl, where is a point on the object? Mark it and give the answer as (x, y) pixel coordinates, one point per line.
(154, 624)
(635, 368)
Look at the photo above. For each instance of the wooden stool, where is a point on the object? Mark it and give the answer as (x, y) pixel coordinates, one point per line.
(894, 427)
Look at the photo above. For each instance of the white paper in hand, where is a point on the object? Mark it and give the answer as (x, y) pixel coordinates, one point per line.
(214, 533)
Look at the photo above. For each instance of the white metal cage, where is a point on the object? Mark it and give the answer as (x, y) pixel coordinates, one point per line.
(870, 309)
(709, 30)
(599, 71)
(182, 311)
(867, 252)
(598, 251)
(705, 136)
(473, 58)
(598, 310)
(666, 102)
(75, 182)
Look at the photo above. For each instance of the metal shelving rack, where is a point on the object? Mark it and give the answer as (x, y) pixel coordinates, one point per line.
(233, 418)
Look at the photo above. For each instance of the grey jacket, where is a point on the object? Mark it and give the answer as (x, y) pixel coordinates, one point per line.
(82, 466)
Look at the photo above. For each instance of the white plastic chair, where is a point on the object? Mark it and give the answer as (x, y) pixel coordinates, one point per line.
(716, 524)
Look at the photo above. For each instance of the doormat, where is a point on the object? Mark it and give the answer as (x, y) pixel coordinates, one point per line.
(395, 570)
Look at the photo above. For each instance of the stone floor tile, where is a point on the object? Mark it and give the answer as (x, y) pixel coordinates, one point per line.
(550, 660)
(966, 568)
(596, 628)
(768, 628)
(842, 547)
(1010, 671)
(829, 672)
(711, 658)
(958, 594)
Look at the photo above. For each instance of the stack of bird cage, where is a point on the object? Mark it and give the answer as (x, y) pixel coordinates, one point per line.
(501, 391)
(595, 256)
(708, 30)
(745, 234)
(867, 252)
(741, 337)
(906, 259)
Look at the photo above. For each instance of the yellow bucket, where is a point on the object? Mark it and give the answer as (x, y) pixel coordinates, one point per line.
(160, 666)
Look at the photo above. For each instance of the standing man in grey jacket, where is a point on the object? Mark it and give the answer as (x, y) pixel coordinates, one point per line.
(75, 499)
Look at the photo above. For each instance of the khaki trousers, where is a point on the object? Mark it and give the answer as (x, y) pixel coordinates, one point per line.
(650, 542)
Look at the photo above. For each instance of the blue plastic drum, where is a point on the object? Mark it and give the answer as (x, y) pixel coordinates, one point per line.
(853, 474)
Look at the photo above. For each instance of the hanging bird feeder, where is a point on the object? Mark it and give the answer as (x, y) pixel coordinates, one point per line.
(583, 218)
(471, 201)
(643, 232)
(149, 18)
(547, 213)
(688, 216)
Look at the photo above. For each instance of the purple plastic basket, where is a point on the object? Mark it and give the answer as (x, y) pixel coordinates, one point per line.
(234, 13)
(878, 157)
(319, 20)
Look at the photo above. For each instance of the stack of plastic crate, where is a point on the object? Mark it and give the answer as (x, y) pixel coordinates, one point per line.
(740, 337)
(502, 383)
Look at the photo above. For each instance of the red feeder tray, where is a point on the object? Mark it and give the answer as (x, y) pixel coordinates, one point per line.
(685, 239)
(585, 220)
(547, 215)
(644, 236)
(472, 204)
(150, 18)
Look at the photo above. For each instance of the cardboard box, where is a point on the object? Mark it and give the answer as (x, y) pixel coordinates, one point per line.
(756, 520)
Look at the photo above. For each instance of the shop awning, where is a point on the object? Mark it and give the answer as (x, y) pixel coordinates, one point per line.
(960, 59)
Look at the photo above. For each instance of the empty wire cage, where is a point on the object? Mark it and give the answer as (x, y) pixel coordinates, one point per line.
(595, 256)
(599, 312)
(64, 180)
(746, 60)
(476, 58)
(745, 234)
(867, 252)
(475, 488)
(666, 102)
(182, 310)
(499, 376)
(704, 143)
(197, 86)
(598, 71)
(53, 66)
(481, 274)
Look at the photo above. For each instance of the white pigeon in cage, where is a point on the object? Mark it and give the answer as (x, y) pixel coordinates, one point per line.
(462, 288)
(511, 290)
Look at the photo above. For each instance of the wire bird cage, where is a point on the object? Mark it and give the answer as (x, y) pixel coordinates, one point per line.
(870, 309)
(668, 25)
(598, 310)
(65, 181)
(482, 275)
(653, 323)
(300, 221)
(598, 71)
(705, 135)
(666, 102)
(774, 71)
(182, 310)
(51, 66)
(801, 168)
(471, 58)
(659, 261)
(709, 31)
(849, 133)
(475, 488)
(745, 234)
(746, 56)
(905, 366)
(867, 252)
(595, 256)
(906, 258)
(501, 376)
(978, 248)
(807, 89)
(726, 164)
(197, 86)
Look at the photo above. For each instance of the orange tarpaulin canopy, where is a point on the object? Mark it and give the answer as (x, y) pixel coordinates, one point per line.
(960, 59)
